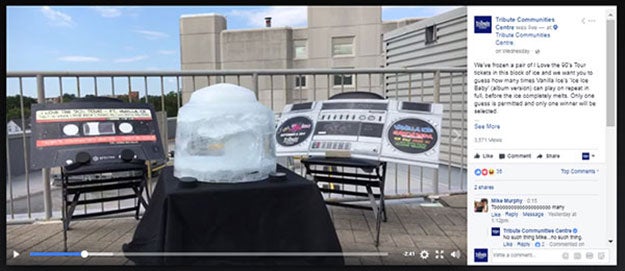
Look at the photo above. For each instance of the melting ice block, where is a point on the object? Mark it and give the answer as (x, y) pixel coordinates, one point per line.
(224, 134)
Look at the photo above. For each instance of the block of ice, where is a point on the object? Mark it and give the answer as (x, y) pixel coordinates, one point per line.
(224, 134)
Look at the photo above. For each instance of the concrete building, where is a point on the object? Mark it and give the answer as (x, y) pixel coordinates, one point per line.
(335, 37)
(14, 126)
(438, 41)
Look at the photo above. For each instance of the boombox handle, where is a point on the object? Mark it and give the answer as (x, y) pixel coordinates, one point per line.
(356, 95)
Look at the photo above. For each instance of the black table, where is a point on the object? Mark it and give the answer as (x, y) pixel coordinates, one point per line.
(273, 215)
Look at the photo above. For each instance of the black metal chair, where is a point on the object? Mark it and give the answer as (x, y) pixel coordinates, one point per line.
(83, 177)
(325, 170)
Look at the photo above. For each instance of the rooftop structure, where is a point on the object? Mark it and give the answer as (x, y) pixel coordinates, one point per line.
(337, 37)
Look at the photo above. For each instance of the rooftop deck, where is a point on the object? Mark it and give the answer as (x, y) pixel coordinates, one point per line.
(26, 199)
(413, 225)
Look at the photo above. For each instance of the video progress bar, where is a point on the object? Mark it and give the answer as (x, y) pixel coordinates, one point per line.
(85, 254)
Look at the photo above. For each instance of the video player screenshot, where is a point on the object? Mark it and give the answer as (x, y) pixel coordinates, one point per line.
(417, 137)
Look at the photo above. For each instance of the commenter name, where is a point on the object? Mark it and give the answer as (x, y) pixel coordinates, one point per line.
(520, 19)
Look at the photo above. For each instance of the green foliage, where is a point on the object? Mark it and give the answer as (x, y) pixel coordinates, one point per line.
(68, 97)
(171, 106)
(13, 107)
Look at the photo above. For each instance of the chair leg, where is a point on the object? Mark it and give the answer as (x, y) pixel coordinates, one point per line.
(139, 201)
(147, 194)
(377, 212)
(65, 227)
(382, 178)
(383, 204)
(64, 211)
(64, 239)
(378, 223)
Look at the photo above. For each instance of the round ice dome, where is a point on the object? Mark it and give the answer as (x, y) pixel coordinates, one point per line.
(224, 134)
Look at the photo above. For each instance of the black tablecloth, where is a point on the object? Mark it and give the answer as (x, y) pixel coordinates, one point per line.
(272, 215)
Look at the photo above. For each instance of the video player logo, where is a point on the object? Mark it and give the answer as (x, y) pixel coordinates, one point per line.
(481, 255)
(483, 24)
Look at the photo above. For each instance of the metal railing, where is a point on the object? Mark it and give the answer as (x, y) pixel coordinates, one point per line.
(274, 88)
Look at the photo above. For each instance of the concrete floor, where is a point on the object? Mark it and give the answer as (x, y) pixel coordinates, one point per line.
(413, 226)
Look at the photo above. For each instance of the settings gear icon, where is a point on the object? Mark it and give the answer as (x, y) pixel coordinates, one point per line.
(424, 254)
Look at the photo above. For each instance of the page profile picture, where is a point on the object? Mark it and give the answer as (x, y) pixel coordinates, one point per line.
(482, 24)
(480, 206)
(480, 255)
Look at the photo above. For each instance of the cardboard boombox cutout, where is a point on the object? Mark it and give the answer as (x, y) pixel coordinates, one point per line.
(377, 129)
(93, 130)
